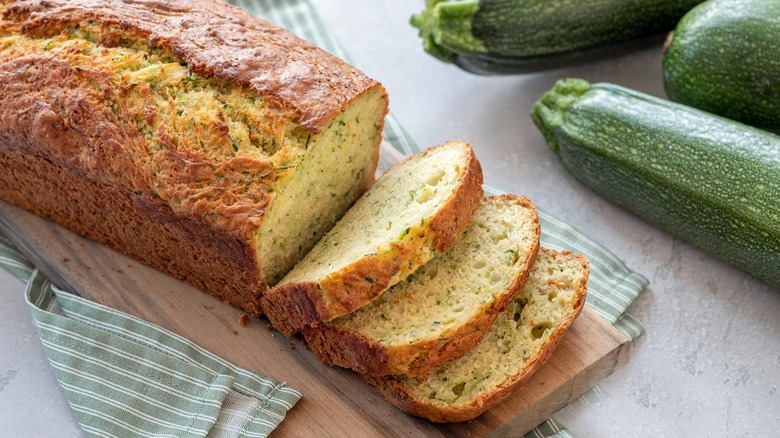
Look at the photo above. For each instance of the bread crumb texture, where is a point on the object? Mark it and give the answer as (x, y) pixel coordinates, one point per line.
(549, 300)
(395, 209)
(456, 286)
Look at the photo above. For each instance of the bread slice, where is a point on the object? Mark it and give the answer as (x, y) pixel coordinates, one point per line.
(414, 211)
(444, 308)
(520, 341)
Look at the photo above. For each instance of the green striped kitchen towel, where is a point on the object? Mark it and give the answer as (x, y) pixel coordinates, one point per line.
(125, 377)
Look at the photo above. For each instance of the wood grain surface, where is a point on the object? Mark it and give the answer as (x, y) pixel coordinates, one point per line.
(335, 401)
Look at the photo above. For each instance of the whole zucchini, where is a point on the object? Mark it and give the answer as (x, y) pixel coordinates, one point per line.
(708, 180)
(519, 36)
(724, 57)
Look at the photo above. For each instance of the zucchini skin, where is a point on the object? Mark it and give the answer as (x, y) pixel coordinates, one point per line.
(502, 65)
(521, 36)
(705, 179)
(724, 58)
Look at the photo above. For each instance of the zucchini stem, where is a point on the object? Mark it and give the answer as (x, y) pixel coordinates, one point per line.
(547, 113)
(446, 28)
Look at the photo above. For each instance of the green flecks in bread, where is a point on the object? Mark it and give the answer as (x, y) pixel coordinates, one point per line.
(337, 168)
(444, 308)
(413, 212)
(365, 228)
(518, 342)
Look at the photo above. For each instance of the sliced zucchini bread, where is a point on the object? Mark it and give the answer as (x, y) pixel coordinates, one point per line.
(414, 211)
(444, 308)
(520, 340)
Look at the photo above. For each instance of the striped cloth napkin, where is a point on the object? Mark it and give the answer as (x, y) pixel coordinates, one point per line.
(126, 377)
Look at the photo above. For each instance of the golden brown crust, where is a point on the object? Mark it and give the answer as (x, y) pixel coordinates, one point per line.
(216, 40)
(342, 347)
(181, 245)
(57, 112)
(293, 306)
(394, 392)
(59, 120)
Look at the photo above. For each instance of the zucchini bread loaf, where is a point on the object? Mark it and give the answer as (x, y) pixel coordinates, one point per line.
(189, 135)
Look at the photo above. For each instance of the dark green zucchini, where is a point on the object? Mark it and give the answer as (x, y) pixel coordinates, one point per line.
(520, 36)
(706, 179)
(724, 57)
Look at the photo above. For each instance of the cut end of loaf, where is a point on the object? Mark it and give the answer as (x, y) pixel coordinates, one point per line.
(338, 165)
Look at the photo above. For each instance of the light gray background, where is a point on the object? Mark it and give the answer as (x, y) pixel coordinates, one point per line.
(709, 363)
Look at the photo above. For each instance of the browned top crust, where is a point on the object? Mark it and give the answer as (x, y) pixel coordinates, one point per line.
(76, 117)
(216, 40)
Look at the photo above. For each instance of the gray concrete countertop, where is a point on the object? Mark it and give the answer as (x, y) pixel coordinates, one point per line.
(709, 362)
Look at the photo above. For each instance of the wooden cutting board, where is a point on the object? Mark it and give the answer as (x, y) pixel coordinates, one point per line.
(335, 402)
